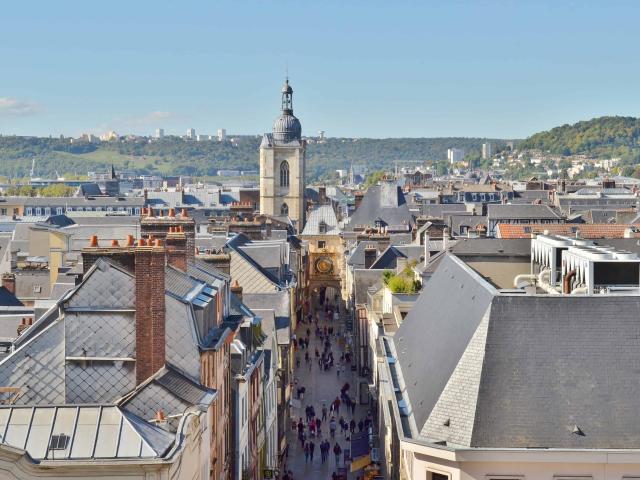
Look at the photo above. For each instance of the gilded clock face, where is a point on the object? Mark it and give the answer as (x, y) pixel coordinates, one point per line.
(324, 265)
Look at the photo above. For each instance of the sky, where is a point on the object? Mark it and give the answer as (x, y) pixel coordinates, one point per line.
(497, 69)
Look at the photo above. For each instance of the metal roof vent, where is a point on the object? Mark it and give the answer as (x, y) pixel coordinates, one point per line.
(447, 422)
(578, 431)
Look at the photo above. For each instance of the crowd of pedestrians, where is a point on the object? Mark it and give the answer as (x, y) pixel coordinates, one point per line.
(327, 425)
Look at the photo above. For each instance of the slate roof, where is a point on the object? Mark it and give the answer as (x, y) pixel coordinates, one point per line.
(8, 299)
(508, 212)
(356, 258)
(278, 303)
(487, 369)
(389, 258)
(320, 214)
(439, 210)
(384, 202)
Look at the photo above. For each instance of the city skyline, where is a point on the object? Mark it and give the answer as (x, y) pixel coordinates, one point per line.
(495, 70)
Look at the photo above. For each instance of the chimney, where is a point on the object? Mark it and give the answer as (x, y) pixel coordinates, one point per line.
(221, 261)
(24, 324)
(184, 229)
(177, 248)
(9, 282)
(427, 252)
(445, 239)
(358, 199)
(370, 255)
(150, 310)
(322, 195)
(236, 289)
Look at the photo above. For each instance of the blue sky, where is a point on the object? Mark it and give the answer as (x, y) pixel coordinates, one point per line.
(359, 68)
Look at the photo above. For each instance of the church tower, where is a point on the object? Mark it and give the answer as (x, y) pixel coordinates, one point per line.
(282, 165)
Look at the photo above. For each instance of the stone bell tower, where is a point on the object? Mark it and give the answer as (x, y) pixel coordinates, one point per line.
(282, 165)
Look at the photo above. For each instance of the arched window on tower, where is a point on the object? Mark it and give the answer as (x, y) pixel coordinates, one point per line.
(284, 209)
(284, 174)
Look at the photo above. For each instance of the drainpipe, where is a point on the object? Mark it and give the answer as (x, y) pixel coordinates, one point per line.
(566, 283)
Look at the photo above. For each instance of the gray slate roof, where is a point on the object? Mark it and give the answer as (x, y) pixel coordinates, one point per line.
(322, 213)
(520, 371)
(508, 212)
(384, 202)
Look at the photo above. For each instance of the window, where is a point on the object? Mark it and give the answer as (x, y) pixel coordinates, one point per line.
(59, 442)
(322, 244)
(59, 211)
(322, 228)
(3, 211)
(27, 211)
(137, 210)
(47, 211)
(284, 174)
(37, 289)
(284, 209)
(38, 211)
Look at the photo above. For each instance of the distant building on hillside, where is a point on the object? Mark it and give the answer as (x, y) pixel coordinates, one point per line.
(486, 150)
(455, 155)
(222, 134)
(159, 132)
(191, 134)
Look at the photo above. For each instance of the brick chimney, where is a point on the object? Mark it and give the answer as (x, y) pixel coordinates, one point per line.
(9, 282)
(358, 199)
(146, 260)
(177, 248)
(221, 261)
(150, 309)
(159, 223)
(236, 289)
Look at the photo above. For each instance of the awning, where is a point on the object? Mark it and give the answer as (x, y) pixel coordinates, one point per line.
(360, 462)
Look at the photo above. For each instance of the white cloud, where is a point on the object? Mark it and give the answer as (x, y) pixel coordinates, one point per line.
(18, 108)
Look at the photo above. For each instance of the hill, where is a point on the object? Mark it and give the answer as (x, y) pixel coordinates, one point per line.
(173, 155)
(603, 136)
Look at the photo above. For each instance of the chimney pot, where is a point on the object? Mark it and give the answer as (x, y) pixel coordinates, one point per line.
(172, 212)
(142, 242)
(160, 417)
(184, 213)
(151, 213)
(158, 242)
(130, 241)
(93, 241)
(114, 243)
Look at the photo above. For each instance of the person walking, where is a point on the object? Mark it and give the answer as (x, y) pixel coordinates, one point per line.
(352, 426)
(324, 412)
(306, 453)
(312, 447)
(332, 427)
(337, 450)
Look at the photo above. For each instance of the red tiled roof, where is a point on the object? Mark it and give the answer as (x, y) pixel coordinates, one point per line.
(588, 230)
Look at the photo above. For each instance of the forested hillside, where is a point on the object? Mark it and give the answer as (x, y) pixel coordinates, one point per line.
(603, 136)
(173, 155)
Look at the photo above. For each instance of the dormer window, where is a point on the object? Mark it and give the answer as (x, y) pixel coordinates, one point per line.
(322, 228)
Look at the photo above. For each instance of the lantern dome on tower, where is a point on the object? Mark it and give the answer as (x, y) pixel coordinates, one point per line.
(287, 127)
